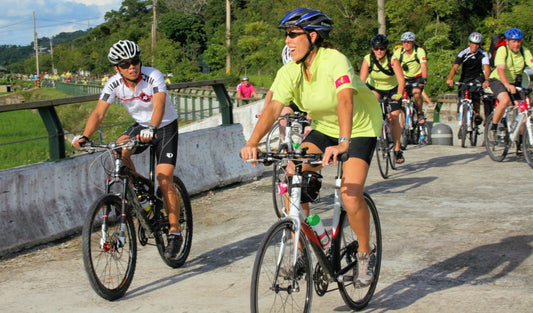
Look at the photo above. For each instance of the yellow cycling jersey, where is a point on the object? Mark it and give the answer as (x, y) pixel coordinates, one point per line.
(377, 78)
(411, 65)
(331, 72)
(514, 62)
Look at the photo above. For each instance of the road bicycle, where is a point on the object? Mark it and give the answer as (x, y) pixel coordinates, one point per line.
(286, 135)
(412, 131)
(385, 143)
(109, 239)
(498, 142)
(282, 278)
(467, 125)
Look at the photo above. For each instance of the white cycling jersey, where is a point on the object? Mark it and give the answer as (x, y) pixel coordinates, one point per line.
(138, 102)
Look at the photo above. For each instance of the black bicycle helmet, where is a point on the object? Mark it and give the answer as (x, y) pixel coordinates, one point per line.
(379, 41)
(309, 20)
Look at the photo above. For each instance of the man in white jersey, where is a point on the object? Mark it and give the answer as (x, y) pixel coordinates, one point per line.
(143, 92)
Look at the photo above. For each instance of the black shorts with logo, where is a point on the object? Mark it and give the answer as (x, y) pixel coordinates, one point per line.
(165, 140)
(360, 147)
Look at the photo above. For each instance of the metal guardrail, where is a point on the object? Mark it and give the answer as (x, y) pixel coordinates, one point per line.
(54, 128)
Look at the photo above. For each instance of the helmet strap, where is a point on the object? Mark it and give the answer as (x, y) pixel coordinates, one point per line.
(311, 47)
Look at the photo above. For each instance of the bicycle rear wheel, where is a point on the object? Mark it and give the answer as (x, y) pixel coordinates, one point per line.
(497, 143)
(277, 286)
(185, 224)
(109, 264)
(279, 184)
(527, 148)
(345, 250)
(382, 156)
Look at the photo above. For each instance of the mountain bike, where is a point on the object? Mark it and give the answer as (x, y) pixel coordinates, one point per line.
(282, 277)
(467, 125)
(286, 135)
(385, 143)
(412, 131)
(498, 142)
(109, 238)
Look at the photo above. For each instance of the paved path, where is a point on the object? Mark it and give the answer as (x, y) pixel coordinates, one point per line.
(457, 229)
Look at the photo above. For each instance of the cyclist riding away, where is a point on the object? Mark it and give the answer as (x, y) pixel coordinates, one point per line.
(476, 69)
(385, 80)
(510, 61)
(142, 91)
(345, 115)
(412, 59)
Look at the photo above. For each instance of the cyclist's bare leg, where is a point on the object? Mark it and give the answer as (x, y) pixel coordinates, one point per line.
(165, 175)
(396, 128)
(126, 154)
(353, 181)
(499, 110)
(417, 93)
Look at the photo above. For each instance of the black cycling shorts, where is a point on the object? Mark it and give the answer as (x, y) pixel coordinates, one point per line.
(360, 147)
(394, 105)
(497, 87)
(166, 142)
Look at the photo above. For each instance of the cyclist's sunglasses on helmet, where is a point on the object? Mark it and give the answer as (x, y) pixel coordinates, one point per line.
(293, 34)
(127, 63)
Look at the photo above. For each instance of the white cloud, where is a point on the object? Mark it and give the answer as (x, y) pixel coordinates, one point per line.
(51, 17)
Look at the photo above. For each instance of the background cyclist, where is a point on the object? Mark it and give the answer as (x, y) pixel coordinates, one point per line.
(475, 69)
(385, 80)
(142, 91)
(345, 115)
(413, 62)
(509, 61)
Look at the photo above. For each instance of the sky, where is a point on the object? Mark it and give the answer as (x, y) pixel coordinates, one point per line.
(51, 18)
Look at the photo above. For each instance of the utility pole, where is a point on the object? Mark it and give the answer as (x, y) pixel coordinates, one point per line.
(381, 17)
(228, 36)
(52, 55)
(35, 45)
(154, 29)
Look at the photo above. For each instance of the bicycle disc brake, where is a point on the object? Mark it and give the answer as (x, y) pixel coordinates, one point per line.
(320, 280)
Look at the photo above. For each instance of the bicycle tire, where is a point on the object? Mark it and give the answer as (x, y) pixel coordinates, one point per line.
(474, 134)
(278, 176)
(381, 155)
(497, 148)
(390, 146)
(271, 288)
(527, 147)
(344, 251)
(403, 134)
(109, 267)
(186, 227)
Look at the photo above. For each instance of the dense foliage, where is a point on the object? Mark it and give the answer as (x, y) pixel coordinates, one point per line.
(191, 36)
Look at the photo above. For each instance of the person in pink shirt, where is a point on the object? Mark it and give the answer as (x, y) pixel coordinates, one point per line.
(245, 90)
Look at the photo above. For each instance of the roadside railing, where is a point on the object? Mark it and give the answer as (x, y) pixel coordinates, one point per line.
(56, 135)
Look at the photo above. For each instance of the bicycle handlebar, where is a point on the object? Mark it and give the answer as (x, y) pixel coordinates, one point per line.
(300, 157)
(91, 147)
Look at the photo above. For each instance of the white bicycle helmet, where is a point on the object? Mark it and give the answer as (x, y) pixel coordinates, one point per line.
(123, 50)
(408, 36)
(286, 55)
(475, 37)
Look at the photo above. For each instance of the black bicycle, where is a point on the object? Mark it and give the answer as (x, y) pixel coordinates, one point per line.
(130, 202)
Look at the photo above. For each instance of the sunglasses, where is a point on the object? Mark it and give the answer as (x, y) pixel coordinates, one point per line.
(379, 49)
(293, 34)
(127, 63)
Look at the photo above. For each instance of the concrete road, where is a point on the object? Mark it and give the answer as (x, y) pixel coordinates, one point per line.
(457, 230)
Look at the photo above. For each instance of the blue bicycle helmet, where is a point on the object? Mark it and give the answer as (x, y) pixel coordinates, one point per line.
(309, 20)
(514, 33)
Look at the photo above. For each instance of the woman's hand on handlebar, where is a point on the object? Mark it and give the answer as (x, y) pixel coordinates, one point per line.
(332, 152)
(249, 152)
(79, 141)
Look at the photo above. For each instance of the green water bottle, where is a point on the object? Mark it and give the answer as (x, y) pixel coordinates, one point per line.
(318, 227)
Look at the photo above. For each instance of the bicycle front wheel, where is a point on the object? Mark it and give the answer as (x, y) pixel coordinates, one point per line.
(497, 143)
(346, 244)
(109, 259)
(463, 131)
(185, 225)
(277, 284)
(527, 147)
(382, 156)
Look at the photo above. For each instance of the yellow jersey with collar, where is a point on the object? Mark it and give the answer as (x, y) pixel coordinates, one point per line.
(331, 72)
